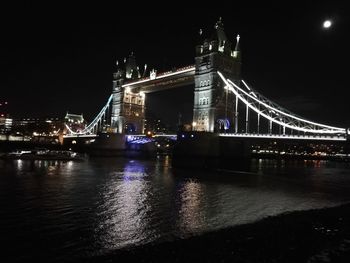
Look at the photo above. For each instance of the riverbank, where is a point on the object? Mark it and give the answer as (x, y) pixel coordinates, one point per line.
(321, 235)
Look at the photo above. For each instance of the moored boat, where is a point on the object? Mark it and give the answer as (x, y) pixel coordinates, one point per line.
(43, 154)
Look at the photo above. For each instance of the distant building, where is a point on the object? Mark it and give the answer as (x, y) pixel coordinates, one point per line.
(5, 120)
(38, 126)
(75, 122)
(5, 124)
(155, 126)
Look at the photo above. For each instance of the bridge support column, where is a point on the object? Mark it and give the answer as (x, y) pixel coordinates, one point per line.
(247, 120)
(236, 116)
(128, 106)
(213, 104)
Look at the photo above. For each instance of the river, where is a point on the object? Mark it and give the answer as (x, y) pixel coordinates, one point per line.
(68, 210)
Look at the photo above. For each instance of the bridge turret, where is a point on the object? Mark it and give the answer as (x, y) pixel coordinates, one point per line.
(236, 53)
(131, 68)
(128, 107)
(120, 73)
(118, 96)
(224, 45)
(199, 43)
(213, 106)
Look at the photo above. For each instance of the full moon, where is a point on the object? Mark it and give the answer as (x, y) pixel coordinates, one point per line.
(327, 24)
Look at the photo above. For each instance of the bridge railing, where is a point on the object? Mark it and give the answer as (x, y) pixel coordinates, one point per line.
(286, 136)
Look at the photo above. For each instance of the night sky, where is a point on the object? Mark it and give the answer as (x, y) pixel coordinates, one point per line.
(57, 58)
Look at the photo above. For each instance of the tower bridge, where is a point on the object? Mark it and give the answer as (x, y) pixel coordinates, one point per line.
(224, 104)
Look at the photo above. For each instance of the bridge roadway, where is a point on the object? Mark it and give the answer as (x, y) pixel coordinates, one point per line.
(132, 137)
(285, 136)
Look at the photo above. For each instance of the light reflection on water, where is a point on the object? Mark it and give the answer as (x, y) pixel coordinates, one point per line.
(103, 204)
(192, 216)
(124, 207)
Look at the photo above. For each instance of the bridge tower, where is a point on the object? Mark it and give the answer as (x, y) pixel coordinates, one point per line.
(214, 107)
(128, 106)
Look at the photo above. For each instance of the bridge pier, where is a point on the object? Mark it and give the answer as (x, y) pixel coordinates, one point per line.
(116, 144)
(204, 150)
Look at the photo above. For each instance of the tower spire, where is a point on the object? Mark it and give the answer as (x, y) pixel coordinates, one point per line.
(219, 23)
(144, 71)
(237, 48)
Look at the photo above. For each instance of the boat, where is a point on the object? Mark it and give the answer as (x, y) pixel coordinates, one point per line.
(43, 154)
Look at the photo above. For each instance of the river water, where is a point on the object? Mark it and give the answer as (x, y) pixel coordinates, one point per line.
(69, 210)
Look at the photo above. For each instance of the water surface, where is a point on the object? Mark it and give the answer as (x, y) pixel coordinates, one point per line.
(66, 210)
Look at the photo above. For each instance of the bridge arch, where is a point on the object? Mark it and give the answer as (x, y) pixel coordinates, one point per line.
(222, 125)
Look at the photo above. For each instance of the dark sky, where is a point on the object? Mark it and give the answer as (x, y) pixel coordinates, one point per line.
(57, 57)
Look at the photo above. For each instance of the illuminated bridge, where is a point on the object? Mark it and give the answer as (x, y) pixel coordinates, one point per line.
(224, 103)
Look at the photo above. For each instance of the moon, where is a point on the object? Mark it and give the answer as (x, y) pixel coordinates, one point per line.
(327, 24)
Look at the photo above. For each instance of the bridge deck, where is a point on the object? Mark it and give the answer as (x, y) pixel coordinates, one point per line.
(288, 137)
(167, 80)
(239, 135)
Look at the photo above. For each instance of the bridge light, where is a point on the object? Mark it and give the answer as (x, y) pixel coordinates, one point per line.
(194, 124)
(331, 130)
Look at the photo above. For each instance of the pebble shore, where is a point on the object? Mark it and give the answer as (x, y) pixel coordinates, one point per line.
(320, 235)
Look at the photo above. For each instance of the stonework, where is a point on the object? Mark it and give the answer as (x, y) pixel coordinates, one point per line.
(213, 105)
(128, 107)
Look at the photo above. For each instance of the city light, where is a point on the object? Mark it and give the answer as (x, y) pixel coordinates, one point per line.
(194, 124)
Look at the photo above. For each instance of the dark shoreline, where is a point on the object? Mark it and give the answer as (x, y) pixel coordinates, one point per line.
(318, 235)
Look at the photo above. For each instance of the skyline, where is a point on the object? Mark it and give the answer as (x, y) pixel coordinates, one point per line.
(67, 65)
